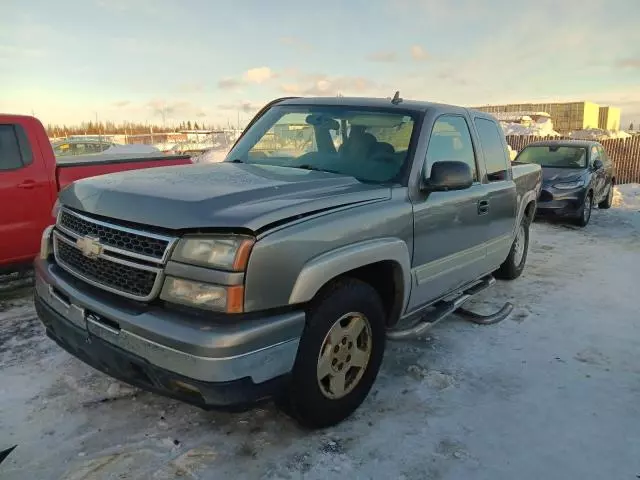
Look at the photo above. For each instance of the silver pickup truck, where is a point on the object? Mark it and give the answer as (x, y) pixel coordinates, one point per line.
(333, 225)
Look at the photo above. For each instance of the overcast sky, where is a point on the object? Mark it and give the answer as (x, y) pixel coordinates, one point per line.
(67, 60)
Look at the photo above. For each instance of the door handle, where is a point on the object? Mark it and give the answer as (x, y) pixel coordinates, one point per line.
(27, 184)
(483, 207)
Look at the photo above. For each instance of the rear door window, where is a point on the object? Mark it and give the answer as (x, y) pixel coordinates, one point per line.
(15, 151)
(495, 153)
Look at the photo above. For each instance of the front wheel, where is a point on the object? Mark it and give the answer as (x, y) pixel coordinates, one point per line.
(513, 266)
(584, 213)
(339, 355)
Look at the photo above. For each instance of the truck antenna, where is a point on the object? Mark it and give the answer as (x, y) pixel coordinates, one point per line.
(396, 98)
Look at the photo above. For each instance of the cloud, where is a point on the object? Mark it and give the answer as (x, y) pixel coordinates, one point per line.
(229, 83)
(191, 88)
(292, 88)
(179, 108)
(259, 75)
(629, 63)
(121, 103)
(418, 53)
(296, 43)
(326, 85)
(244, 106)
(15, 52)
(383, 56)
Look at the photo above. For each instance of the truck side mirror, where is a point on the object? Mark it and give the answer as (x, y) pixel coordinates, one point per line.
(597, 164)
(448, 175)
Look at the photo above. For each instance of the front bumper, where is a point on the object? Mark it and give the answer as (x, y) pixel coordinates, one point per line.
(171, 353)
(554, 202)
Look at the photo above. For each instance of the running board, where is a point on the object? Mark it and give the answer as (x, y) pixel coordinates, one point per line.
(446, 307)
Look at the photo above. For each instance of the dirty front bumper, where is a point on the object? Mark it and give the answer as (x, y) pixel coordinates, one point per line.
(562, 203)
(171, 353)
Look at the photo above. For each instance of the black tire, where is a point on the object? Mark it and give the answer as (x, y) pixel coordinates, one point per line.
(606, 203)
(513, 267)
(304, 399)
(584, 213)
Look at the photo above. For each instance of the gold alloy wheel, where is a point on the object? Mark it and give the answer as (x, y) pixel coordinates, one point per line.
(344, 355)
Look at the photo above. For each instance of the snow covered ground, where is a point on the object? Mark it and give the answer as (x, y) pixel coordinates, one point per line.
(550, 393)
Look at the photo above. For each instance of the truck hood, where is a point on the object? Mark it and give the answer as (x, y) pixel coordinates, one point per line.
(555, 175)
(223, 195)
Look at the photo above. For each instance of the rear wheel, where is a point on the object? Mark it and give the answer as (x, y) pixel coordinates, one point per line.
(339, 355)
(513, 266)
(606, 203)
(584, 213)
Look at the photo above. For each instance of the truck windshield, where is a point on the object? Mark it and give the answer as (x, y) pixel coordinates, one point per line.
(554, 156)
(371, 145)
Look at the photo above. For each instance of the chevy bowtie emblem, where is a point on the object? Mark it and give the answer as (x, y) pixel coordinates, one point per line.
(89, 246)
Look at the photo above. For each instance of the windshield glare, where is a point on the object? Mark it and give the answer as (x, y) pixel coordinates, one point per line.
(556, 157)
(371, 145)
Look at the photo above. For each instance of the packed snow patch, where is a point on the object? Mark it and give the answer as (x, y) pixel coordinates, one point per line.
(627, 196)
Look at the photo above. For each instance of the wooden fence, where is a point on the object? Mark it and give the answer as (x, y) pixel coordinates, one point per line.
(625, 153)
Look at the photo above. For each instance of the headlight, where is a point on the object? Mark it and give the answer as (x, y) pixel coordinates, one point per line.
(225, 252)
(569, 185)
(203, 295)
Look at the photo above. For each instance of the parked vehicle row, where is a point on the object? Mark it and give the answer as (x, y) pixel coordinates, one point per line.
(576, 176)
(281, 272)
(30, 179)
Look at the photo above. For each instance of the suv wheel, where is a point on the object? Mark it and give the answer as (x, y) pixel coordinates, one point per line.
(339, 355)
(514, 264)
(606, 203)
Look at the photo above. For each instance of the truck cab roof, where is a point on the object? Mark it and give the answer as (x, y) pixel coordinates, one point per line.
(378, 102)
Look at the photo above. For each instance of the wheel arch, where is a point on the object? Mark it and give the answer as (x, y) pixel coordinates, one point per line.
(382, 263)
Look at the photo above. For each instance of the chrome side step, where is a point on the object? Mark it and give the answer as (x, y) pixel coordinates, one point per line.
(445, 308)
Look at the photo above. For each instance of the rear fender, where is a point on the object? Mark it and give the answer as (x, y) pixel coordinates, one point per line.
(527, 198)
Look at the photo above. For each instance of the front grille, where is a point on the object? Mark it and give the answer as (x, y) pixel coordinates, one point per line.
(112, 257)
(147, 245)
(115, 276)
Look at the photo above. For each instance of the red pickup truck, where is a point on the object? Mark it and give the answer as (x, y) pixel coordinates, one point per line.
(30, 179)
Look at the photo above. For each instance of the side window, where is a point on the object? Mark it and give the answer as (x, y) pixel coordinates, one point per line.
(595, 155)
(603, 155)
(495, 153)
(451, 140)
(10, 151)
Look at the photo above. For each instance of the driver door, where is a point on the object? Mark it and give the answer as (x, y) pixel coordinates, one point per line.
(450, 228)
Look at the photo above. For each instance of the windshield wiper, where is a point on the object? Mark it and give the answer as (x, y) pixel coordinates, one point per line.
(317, 169)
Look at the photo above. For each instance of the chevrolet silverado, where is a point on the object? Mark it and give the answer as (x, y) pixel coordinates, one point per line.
(332, 225)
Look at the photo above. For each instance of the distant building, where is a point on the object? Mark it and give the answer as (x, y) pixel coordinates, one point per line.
(609, 118)
(566, 117)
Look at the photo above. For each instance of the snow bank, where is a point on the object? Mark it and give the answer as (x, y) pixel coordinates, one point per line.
(597, 134)
(541, 128)
(210, 156)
